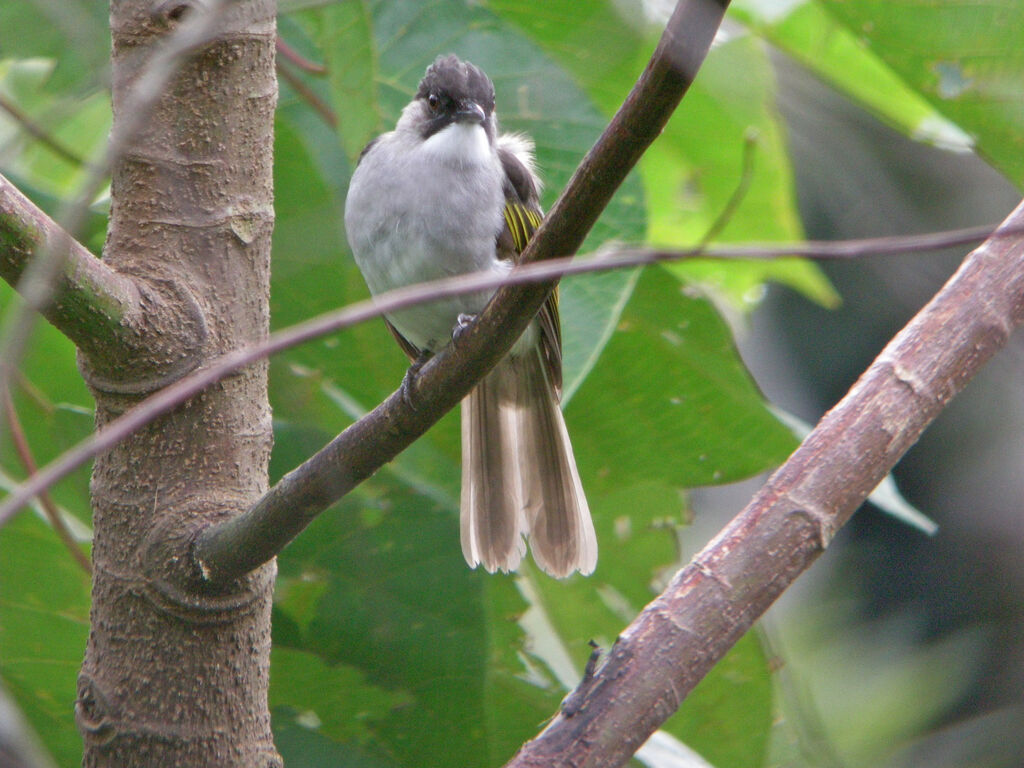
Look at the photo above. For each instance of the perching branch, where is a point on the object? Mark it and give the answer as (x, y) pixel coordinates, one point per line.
(713, 601)
(174, 395)
(230, 549)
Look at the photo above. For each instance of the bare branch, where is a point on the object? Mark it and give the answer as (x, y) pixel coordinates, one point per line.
(177, 393)
(713, 601)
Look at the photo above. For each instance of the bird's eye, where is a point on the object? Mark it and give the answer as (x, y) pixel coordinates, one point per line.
(434, 102)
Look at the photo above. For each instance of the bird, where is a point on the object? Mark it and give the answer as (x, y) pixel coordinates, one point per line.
(446, 193)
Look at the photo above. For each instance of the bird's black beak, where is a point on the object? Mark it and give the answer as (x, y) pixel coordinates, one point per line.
(470, 112)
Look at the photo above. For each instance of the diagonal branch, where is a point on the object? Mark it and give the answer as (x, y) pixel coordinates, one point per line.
(89, 301)
(230, 549)
(713, 601)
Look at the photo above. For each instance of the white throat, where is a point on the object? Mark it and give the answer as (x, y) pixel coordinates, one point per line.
(460, 144)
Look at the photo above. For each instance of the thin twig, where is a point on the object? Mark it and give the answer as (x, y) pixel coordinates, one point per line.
(738, 194)
(319, 105)
(331, 322)
(53, 514)
(39, 133)
(296, 58)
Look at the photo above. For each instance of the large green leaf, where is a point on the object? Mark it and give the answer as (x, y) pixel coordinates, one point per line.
(670, 399)
(725, 137)
(965, 58)
(812, 36)
(44, 621)
(723, 158)
(74, 33)
(378, 585)
(334, 700)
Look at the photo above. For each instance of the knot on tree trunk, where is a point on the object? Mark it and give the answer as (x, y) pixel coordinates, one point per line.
(166, 334)
(174, 585)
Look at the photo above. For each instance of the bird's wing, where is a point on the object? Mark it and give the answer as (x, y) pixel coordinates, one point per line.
(523, 216)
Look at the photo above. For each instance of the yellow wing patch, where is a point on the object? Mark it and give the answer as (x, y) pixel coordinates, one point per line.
(522, 223)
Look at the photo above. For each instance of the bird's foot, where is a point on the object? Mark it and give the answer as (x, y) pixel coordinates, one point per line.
(409, 380)
(462, 324)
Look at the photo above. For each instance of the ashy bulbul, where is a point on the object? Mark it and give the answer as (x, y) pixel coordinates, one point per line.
(445, 194)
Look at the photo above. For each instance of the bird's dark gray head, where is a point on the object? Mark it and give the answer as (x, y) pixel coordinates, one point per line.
(453, 90)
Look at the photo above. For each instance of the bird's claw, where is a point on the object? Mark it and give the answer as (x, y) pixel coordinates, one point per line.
(462, 324)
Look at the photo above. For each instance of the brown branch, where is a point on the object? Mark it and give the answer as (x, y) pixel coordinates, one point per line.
(230, 549)
(713, 601)
(24, 452)
(86, 300)
(174, 395)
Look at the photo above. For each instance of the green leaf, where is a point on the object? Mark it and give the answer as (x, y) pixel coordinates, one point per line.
(393, 598)
(965, 58)
(812, 36)
(44, 622)
(728, 717)
(334, 700)
(74, 33)
(695, 168)
(304, 747)
(343, 33)
(670, 400)
(78, 125)
(723, 158)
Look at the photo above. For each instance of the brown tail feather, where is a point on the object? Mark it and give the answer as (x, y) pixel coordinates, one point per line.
(519, 476)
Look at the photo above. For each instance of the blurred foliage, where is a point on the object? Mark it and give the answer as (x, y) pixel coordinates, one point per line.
(388, 650)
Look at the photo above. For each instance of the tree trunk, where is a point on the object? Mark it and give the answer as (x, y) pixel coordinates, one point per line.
(176, 674)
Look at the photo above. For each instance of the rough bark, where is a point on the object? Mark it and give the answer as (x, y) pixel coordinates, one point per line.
(175, 674)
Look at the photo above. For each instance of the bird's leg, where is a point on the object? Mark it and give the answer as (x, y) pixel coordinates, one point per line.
(411, 373)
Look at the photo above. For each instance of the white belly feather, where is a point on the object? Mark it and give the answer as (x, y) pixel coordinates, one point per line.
(423, 214)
